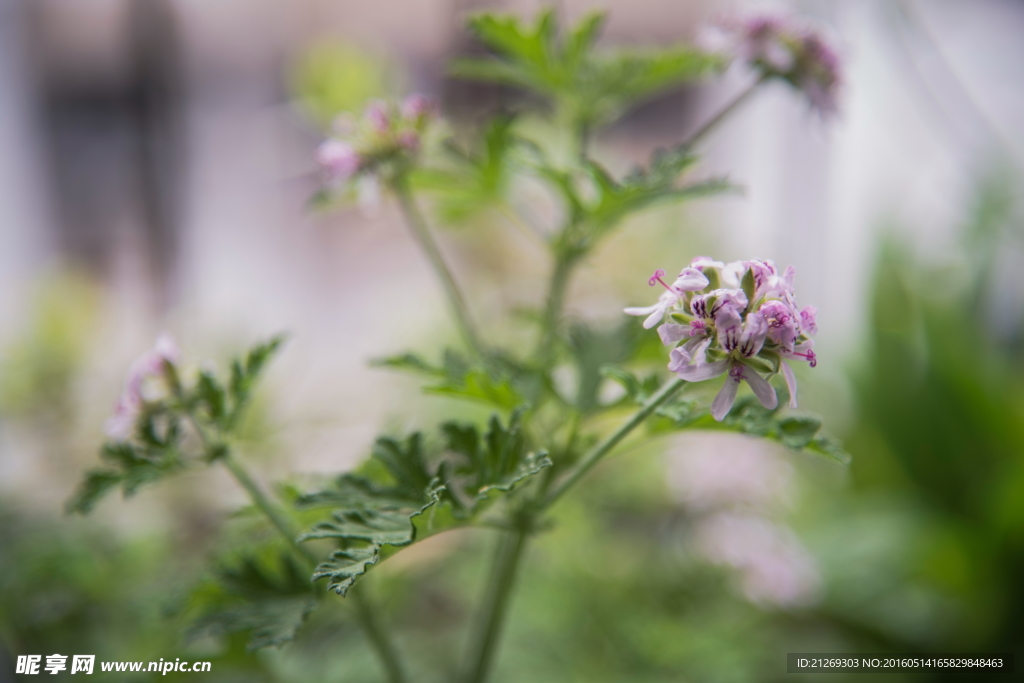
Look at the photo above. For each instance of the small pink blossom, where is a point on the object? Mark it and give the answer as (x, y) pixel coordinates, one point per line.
(149, 369)
(339, 160)
(381, 143)
(417, 107)
(789, 49)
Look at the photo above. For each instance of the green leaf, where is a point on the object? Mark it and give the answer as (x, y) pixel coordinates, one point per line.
(244, 375)
(475, 178)
(131, 467)
(591, 87)
(493, 387)
(267, 597)
(477, 385)
(801, 433)
(595, 351)
(643, 189)
(410, 362)
(212, 397)
(403, 495)
(637, 390)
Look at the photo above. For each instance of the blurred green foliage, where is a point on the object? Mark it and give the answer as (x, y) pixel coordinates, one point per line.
(38, 369)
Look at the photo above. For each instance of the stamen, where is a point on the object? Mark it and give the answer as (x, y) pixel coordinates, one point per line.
(811, 358)
(697, 327)
(658, 274)
(736, 372)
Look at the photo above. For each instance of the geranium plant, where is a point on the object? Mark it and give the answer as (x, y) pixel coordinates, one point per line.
(738, 321)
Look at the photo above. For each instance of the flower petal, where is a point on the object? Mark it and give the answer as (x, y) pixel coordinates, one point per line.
(641, 310)
(670, 333)
(654, 318)
(691, 280)
(726, 397)
(703, 371)
(787, 372)
(764, 391)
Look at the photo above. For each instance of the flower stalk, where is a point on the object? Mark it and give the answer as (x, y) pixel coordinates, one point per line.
(487, 633)
(421, 231)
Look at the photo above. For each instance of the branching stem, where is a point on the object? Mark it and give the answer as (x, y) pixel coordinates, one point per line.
(602, 449)
(560, 277)
(483, 647)
(421, 231)
(712, 123)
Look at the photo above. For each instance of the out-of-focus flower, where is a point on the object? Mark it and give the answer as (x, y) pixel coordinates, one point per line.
(748, 329)
(147, 381)
(773, 566)
(384, 141)
(712, 471)
(789, 49)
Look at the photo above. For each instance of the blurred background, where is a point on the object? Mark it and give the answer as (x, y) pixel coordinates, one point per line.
(155, 175)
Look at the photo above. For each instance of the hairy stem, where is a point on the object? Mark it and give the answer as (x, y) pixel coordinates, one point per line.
(380, 640)
(421, 231)
(560, 277)
(483, 647)
(602, 449)
(712, 123)
(272, 512)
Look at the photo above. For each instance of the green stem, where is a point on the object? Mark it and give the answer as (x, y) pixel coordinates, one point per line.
(712, 123)
(421, 231)
(266, 506)
(381, 643)
(560, 277)
(602, 449)
(483, 647)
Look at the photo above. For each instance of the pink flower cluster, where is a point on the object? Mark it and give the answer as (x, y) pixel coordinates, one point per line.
(739, 319)
(146, 381)
(790, 50)
(385, 134)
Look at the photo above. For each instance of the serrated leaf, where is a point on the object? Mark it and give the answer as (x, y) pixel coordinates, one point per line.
(212, 397)
(132, 466)
(493, 387)
(395, 508)
(476, 177)
(796, 432)
(593, 88)
(269, 603)
(410, 362)
(478, 385)
(244, 375)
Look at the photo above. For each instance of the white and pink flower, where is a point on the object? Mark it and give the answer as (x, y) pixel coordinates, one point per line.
(387, 135)
(147, 381)
(750, 330)
(790, 49)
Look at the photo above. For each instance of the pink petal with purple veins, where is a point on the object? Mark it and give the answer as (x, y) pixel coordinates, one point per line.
(670, 333)
(722, 404)
(764, 391)
(703, 371)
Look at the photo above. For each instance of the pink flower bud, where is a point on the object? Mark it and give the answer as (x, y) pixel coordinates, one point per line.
(338, 159)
